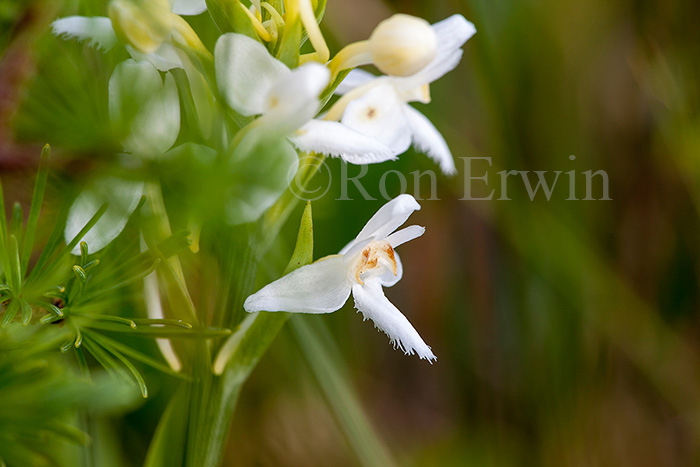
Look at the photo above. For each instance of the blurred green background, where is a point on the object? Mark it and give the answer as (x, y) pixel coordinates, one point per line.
(567, 332)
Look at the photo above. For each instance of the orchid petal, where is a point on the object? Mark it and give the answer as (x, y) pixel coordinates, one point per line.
(320, 287)
(405, 235)
(189, 7)
(165, 58)
(370, 300)
(123, 198)
(387, 278)
(428, 139)
(336, 139)
(379, 115)
(145, 107)
(354, 79)
(97, 30)
(389, 218)
(292, 100)
(453, 32)
(245, 73)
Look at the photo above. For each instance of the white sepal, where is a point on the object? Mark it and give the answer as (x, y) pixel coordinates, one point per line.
(189, 7)
(320, 287)
(245, 73)
(122, 197)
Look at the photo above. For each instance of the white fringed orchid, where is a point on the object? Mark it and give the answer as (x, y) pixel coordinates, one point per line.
(252, 82)
(362, 268)
(378, 106)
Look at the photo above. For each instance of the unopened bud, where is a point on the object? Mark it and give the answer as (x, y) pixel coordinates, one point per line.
(402, 45)
(142, 24)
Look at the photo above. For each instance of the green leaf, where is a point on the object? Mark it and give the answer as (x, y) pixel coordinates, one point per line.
(257, 331)
(9, 313)
(290, 43)
(170, 432)
(35, 209)
(329, 370)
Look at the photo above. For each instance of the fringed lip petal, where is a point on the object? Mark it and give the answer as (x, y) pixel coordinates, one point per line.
(427, 139)
(96, 30)
(373, 304)
(337, 140)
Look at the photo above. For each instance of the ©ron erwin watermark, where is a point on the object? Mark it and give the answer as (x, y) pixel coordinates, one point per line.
(477, 181)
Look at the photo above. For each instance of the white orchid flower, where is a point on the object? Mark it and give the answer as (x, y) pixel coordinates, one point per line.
(362, 268)
(148, 111)
(99, 31)
(378, 106)
(253, 82)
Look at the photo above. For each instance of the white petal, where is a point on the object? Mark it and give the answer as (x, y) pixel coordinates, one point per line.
(292, 100)
(156, 126)
(452, 33)
(164, 58)
(336, 139)
(97, 30)
(354, 79)
(379, 115)
(189, 7)
(405, 235)
(389, 218)
(321, 287)
(122, 196)
(388, 279)
(245, 72)
(370, 300)
(428, 139)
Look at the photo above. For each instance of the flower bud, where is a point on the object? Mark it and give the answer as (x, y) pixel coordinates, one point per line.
(402, 45)
(140, 23)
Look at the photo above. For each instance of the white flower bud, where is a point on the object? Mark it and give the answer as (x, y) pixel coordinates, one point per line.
(402, 45)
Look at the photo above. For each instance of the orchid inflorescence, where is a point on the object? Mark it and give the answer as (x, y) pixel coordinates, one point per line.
(262, 107)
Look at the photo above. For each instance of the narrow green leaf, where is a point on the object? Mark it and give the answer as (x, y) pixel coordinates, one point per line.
(170, 433)
(248, 344)
(83, 253)
(35, 209)
(27, 311)
(17, 220)
(10, 313)
(108, 343)
(156, 332)
(108, 318)
(80, 273)
(15, 273)
(337, 389)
